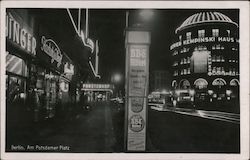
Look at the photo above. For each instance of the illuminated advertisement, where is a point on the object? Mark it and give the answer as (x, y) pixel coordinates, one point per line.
(202, 40)
(137, 89)
(18, 33)
(199, 61)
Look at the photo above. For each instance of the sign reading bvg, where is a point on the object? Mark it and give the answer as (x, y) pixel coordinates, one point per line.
(137, 63)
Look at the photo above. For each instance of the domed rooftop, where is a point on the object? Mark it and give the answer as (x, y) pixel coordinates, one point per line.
(205, 17)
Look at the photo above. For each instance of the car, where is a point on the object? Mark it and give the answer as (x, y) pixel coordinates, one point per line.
(183, 98)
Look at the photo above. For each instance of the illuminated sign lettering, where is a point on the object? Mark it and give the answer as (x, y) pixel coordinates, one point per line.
(97, 86)
(51, 49)
(202, 40)
(68, 68)
(87, 42)
(19, 35)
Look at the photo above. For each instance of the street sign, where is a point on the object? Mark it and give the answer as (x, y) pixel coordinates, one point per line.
(137, 64)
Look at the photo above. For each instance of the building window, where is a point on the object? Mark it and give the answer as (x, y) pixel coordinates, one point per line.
(176, 73)
(188, 59)
(185, 71)
(175, 64)
(228, 33)
(215, 32)
(201, 33)
(188, 35)
(218, 46)
(180, 37)
(175, 53)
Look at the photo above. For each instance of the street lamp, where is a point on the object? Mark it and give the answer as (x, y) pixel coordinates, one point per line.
(144, 14)
(117, 78)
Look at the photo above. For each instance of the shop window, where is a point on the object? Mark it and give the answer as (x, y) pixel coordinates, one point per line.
(16, 88)
(201, 33)
(188, 35)
(200, 83)
(15, 65)
(215, 32)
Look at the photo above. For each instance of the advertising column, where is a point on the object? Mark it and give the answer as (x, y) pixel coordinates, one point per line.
(137, 66)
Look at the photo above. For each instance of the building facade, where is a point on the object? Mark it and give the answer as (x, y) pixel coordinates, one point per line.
(43, 70)
(206, 57)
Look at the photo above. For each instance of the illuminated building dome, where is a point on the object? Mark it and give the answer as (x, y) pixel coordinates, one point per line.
(205, 54)
(205, 17)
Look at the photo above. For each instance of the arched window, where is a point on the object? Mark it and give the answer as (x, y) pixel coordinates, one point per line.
(184, 84)
(219, 82)
(174, 83)
(200, 83)
(234, 82)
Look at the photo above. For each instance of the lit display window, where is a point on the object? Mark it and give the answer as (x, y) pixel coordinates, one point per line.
(201, 33)
(218, 47)
(218, 58)
(175, 53)
(175, 64)
(188, 35)
(215, 32)
(176, 73)
(228, 33)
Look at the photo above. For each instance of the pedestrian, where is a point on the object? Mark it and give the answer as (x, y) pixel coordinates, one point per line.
(35, 103)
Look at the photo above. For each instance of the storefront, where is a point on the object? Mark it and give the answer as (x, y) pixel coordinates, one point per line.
(44, 70)
(97, 92)
(21, 50)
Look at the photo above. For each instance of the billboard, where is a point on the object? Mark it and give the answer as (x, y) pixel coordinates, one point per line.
(137, 55)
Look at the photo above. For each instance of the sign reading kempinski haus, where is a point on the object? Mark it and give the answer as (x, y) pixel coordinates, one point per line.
(202, 40)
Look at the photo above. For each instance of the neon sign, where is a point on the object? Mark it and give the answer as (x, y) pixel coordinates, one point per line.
(51, 49)
(203, 40)
(19, 35)
(87, 42)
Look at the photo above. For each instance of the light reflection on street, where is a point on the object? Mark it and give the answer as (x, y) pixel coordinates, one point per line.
(214, 115)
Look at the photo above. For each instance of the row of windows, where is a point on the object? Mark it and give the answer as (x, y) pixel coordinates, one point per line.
(202, 34)
(218, 58)
(185, 60)
(183, 72)
(221, 71)
(214, 71)
(203, 48)
(215, 58)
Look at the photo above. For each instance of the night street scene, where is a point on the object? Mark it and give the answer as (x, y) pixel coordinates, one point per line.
(122, 80)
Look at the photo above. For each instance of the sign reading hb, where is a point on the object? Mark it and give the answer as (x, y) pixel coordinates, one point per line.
(137, 75)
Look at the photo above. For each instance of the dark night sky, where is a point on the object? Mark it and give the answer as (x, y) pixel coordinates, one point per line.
(107, 25)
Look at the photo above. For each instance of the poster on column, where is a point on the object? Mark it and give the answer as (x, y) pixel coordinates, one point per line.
(138, 79)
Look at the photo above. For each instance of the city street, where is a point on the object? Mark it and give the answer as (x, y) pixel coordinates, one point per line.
(185, 130)
(86, 80)
(87, 131)
(101, 129)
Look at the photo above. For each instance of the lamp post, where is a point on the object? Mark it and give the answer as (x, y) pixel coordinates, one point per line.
(137, 44)
(116, 79)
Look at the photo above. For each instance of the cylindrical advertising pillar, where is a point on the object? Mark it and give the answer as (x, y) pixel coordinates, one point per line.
(137, 44)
